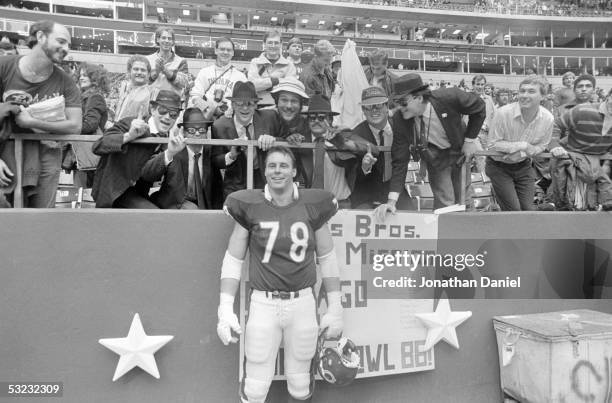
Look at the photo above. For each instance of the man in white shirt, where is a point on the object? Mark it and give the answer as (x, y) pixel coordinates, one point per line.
(215, 83)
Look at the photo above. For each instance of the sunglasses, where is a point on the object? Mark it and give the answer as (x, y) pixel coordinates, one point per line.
(376, 107)
(240, 104)
(320, 117)
(162, 110)
(194, 130)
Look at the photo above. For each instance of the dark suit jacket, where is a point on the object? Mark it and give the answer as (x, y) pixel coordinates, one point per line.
(370, 188)
(173, 189)
(449, 104)
(264, 122)
(120, 165)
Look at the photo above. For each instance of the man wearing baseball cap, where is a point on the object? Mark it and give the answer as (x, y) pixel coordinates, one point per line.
(117, 183)
(431, 121)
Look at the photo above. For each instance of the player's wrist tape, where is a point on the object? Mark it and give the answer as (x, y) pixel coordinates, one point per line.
(470, 140)
(329, 264)
(334, 300)
(226, 299)
(232, 267)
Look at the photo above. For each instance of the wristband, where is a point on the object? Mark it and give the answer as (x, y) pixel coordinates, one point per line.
(329, 264)
(232, 267)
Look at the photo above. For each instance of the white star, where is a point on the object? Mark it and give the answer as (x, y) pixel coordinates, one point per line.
(136, 350)
(441, 324)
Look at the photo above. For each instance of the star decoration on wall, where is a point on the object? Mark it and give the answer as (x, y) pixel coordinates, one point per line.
(136, 350)
(441, 324)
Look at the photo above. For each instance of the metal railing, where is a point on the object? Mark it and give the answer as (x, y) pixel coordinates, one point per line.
(250, 145)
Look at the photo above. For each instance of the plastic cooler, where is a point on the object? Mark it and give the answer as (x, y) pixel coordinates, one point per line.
(560, 357)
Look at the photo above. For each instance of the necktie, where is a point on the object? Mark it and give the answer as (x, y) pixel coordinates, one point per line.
(197, 181)
(319, 161)
(386, 140)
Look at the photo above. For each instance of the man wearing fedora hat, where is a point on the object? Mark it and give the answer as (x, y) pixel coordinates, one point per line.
(186, 169)
(431, 122)
(373, 177)
(117, 183)
(247, 123)
(334, 171)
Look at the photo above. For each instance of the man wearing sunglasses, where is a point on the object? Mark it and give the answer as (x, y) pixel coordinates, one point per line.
(185, 168)
(117, 183)
(429, 123)
(247, 123)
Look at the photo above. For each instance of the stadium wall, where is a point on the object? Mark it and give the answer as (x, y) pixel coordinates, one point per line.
(69, 278)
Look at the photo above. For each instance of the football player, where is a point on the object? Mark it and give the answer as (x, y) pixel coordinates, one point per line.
(284, 229)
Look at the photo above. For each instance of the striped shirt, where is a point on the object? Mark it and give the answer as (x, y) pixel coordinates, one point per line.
(508, 127)
(585, 134)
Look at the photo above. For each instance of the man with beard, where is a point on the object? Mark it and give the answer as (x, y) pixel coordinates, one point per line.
(185, 169)
(503, 97)
(27, 80)
(118, 183)
(135, 93)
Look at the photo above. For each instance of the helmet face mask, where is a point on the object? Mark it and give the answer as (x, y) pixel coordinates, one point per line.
(338, 365)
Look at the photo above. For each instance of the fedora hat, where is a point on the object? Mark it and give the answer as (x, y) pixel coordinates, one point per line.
(169, 99)
(194, 117)
(373, 96)
(292, 85)
(319, 103)
(408, 84)
(244, 91)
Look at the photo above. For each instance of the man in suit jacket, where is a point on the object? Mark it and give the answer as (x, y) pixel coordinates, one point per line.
(373, 175)
(117, 183)
(247, 124)
(431, 121)
(186, 169)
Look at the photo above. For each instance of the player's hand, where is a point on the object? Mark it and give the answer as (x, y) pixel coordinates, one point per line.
(228, 322)
(332, 320)
(368, 159)
(7, 108)
(176, 143)
(559, 152)
(295, 139)
(265, 141)
(25, 120)
(6, 175)
(470, 148)
(381, 211)
(138, 127)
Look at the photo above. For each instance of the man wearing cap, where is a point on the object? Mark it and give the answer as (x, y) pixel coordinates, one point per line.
(186, 169)
(269, 67)
(117, 183)
(432, 122)
(373, 176)
(317, 76)
(247, 124)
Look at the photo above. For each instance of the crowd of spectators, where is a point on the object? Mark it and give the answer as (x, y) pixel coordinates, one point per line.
(273, 102)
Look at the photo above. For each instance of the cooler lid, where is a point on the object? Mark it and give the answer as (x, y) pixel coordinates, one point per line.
(577, 322)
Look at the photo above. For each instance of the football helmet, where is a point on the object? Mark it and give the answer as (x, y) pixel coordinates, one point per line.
(337, 365)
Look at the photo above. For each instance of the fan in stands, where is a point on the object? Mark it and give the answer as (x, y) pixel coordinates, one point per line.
(337, 365)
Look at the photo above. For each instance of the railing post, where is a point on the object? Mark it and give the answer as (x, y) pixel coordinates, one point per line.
(464, 172)
(18, 192)
(250, 155)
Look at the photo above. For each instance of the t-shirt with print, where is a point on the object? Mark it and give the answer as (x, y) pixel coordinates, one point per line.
(15, 88)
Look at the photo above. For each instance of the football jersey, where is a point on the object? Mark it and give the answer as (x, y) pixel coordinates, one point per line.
(282, 241)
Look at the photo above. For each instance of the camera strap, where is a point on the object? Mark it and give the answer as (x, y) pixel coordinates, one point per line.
(217, 79)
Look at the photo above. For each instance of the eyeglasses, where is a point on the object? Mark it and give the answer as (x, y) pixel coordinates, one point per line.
(240, 104)
(273, 43)
(376, 107)
(194, 130)
(321, 117)
(162, 110)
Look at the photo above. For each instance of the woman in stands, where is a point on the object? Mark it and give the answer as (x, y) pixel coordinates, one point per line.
(94, 85)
